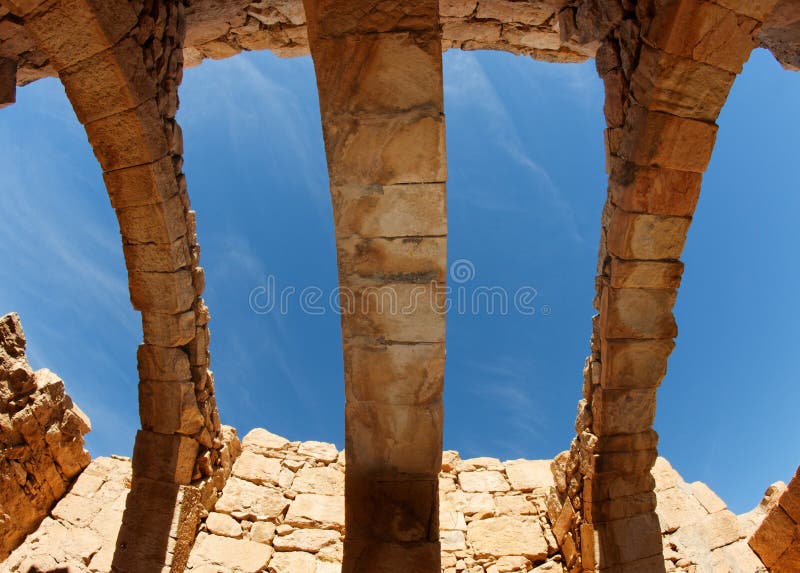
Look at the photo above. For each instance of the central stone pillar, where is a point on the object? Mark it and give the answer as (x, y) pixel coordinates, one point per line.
(379, 75)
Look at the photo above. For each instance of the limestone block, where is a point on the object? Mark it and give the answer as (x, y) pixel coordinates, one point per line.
(262, 532)
(680, 86)
(461, 32)
(293, 562)
(318, 511)
(168, 329)
(528, 475)
(260, 440)
(246, 500)
(166, 458)
(146, 184)
(383, 73)
(677, 507)
(321, 451)
(408, 438)
(634, 363)
(309, 540)
(631, 539)
(386, 149)
(157, 223)
(397, 312)
(483, 481)
(453, 540)
(638, 313)
(225, 525)
(626, 411)
(500, 536)
(234, 555)
(644, 236)
(160, 363)
(128, 138)
(703, 31)
(775, 534)
(393, 374)
(167, 293)
(257, 468)
(157, 257)
(790, 498)
(169, 407)
(709, 500)
(655, 190)
(74, 30)
(457, 8)
(370, 17)
(321, 480)
(756, 9)
(109, 82)
(654, 138)
(379, 260)
(510, 11)
(531, 38)
(645, 274)
(390, 211)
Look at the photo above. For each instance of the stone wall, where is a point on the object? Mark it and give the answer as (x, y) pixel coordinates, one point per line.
(41, 439)
(282, 511)
(777, 538)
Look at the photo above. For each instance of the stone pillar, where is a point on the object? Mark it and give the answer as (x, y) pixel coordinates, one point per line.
(379, 75)
(8, 82)
(667, 67)
(777, 539)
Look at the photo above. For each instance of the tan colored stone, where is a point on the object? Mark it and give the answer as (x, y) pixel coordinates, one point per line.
(645, 274)
(246, 500)
(167, 293)
(225, 525)
(260, 440)
(634, 363)
(312, 510)
(324, 481)
(654, 190)
(482, 481)
(321, 451)
(380, 260)
(292, 562)
(168, 329)
(528, 475)
(146, 184)
(257, 468)
(164, 364)
(158, 257)
(164, 458)
(776, 533)
(501, 536)
(262, 532)
(649, 237)
(309, 540)
(625, 411)
(169, 407)
(510, 11)
(638, 313)
(234, 555)
(709, 500)
(156, 223)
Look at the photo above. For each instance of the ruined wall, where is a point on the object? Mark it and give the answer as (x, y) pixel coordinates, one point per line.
(777, 538)
(41, 439)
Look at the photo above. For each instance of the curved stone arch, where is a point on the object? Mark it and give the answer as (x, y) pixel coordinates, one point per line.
(121, 63)
(668, 67)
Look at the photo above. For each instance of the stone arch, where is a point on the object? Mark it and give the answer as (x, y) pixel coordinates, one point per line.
(668, 67)
(121, 63)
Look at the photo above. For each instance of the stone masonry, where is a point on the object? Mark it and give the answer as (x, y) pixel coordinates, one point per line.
(667, 67)
(282, 511)
(41, 439)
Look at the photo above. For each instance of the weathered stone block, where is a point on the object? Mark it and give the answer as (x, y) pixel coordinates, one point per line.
(390, 211)
(393, 374)
(645, 274)
(398, 312)
(756, 9)
(382, 73)
(701, 30)
(499, 536)
(634, 363)
(167, 293)
(157, 223)
(168, 329)
(384, 150)
(510, 11)
(626, 411)
(142, 185)
(164, 458)
(638, 313)
(367, 555)
(646, 237)
(157, 257)
(629, 540)
(72, 30)
(680, 86)
(394, 438)
(109, 82)
(128, 138)
(381, 261)
(654, 138)
(159, 363)
(328, 18)
(653, 190)
(169, 407)
(790, 498)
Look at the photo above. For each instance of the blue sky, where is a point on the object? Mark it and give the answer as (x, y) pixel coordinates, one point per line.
(526, 186)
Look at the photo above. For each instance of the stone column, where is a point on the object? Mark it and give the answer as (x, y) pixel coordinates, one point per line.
(379, 75)
(667, 67)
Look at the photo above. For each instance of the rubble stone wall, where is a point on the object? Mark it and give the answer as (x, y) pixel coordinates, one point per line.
(41, 439)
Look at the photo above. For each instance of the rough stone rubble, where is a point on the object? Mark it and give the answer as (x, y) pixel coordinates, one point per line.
(282, 511)
(41, 439)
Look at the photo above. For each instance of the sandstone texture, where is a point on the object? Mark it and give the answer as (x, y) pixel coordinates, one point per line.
(292, 520)
(41, 439)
